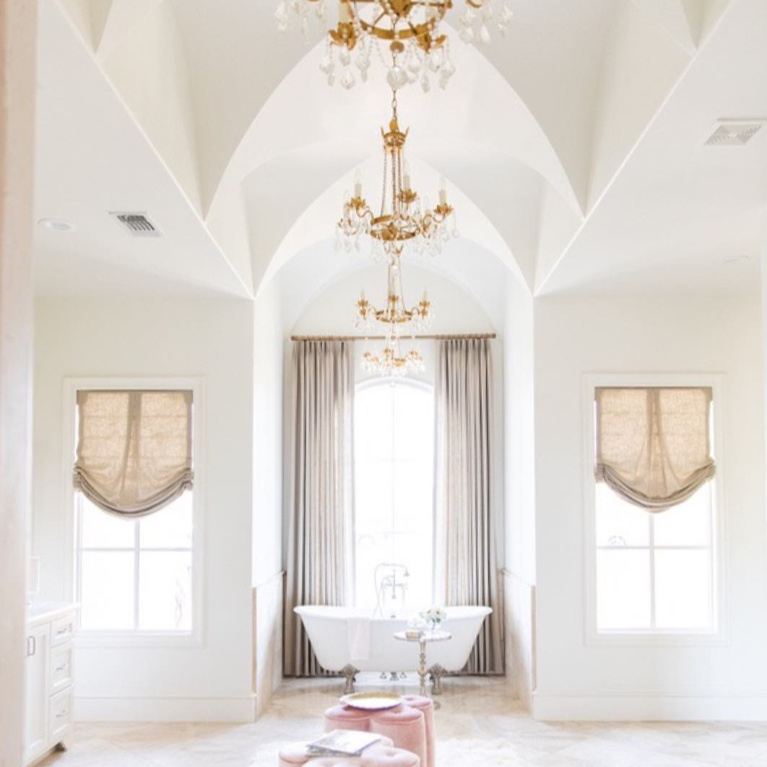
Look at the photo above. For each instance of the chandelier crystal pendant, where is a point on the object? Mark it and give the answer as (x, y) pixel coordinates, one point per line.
(402, 218)
(393, 361)
(398, 321)
(412, 27)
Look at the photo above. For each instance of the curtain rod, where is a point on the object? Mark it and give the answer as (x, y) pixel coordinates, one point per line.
(425, 337)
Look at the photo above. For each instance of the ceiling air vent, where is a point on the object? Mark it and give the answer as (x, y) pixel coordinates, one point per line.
(733, 132)
(137, 224)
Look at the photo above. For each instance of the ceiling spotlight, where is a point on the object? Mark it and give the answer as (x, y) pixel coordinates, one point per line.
(56, 225)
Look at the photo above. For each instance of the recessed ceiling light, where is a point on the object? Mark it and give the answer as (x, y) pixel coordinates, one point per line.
(56, 225)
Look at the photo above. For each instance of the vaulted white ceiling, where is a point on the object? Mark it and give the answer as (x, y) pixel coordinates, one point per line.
(573, 148)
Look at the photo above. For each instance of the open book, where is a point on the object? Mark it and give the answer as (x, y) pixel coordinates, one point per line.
(342, 743)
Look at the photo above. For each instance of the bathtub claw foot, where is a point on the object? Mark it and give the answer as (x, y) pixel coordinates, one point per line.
(436, 672)
(349, 672)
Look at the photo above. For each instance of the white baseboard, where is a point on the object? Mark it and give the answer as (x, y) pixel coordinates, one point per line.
(106, 709)
(627, 708)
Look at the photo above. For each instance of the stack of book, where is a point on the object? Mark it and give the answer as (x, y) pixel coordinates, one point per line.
(342, 743)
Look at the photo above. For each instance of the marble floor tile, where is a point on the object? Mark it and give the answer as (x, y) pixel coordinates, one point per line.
(479, 724)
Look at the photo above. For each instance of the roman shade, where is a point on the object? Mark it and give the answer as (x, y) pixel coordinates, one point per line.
(134, 449)
(653, 444)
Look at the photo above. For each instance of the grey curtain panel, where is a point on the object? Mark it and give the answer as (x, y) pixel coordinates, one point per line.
(134, 450)
(653, 444)
(466, 557)
(320, 490)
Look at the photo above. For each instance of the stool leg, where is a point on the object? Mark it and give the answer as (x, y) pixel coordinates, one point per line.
(349, 672)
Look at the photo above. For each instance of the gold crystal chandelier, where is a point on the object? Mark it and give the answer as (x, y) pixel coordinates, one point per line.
(413, 28)
(402, 218)
(397, 321)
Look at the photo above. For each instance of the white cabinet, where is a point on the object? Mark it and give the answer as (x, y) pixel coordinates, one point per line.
(36, 725)
(50, 679)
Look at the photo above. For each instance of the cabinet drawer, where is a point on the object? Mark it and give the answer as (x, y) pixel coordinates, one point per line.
(61, 667)
(61, 715)
(62, 630)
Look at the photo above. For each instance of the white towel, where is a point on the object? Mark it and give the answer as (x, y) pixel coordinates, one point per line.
(358, 637)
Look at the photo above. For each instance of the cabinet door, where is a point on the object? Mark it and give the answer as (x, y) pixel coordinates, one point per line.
(36, 723)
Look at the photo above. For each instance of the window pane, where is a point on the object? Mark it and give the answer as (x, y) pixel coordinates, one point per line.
(373, 438)
(394, 453)
(413, 431)
(619, 523)
(413, 496)
(623, 590)
(688, 524)
(169, 528)
(165, 588)
(106, 594)
(683, 589)
(373, 496)
(104, 531)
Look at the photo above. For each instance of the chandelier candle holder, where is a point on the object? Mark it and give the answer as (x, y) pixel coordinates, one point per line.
(397, 320)
(414, 28)
(402, 218)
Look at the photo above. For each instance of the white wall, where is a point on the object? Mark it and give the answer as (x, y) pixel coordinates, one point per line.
(267, 579)
(576, 336)
(268, 347)
(519, 480)
(210, 338)
(17, 106)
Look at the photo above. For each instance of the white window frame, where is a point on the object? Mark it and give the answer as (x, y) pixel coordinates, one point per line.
(136, 638)
(718, 635)
(425, 386)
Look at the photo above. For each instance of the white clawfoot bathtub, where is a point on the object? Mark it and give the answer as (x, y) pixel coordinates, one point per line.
(328, 632)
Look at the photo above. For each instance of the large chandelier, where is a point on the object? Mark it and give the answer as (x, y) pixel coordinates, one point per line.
(413, 28)
(397, 320)
(402, 217)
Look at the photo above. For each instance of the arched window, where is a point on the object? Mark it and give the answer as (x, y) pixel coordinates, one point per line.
(394, 487)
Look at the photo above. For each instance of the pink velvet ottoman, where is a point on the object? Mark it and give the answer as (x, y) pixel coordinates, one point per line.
(375, 757)
(405, 726)
(426, 706)
(295, 755)
(346, 718)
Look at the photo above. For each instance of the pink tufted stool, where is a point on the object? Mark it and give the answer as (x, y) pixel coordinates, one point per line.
(427, 707)
(381, 756)
(405, 726)
(375, 757)
(346, 718)
(295, 755)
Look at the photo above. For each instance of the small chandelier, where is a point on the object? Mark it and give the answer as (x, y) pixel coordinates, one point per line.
(392, 361)
(394, 315)
(411, 27)
(398, 320)
(401, 218)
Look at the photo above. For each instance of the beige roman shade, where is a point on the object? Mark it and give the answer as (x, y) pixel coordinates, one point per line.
(134, 450)
(653, 444)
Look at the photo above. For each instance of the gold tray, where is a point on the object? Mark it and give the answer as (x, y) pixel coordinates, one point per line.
(372, 701)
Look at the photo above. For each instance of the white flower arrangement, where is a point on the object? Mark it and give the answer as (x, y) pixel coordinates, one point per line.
(434, 615)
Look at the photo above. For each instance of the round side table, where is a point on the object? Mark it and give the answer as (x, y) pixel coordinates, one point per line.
(423, 639)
